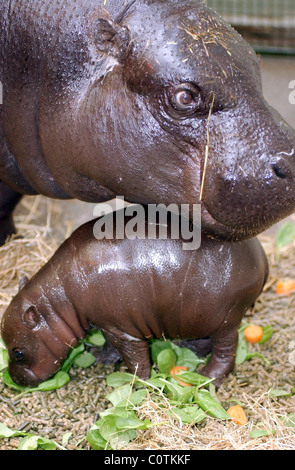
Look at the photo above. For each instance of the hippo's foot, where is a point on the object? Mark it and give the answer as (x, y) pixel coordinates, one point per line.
(6, 230)
(218, 372)
(222, 360)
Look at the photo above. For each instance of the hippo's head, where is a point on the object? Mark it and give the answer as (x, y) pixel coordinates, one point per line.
(183, 117)
(36, 340)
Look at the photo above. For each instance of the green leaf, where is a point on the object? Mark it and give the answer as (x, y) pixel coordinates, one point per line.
(210, 405)
(187, 395)
(66, 437)
(242, 353)
(96, 441)
(119, 430)
(242, 349)
(274, 393)
(5, 432)
(156, 381)
(133, 400)
(107, 426)
(187, 358)
(3, 358)
(120, 394)
(58, 381)
(72, 356)
(125, 424)
(117, 411)
(117, 379)
(158, 346)
(188, 414)
(285, 235)
(120, 440)
(257, 354)
(36, 442)
(10, 383)
(260, 433)
(166, 360)
(289, 420)
(237, 402)
(96, 338)
(84, 360)
(193, 378)
(173, 391)
(267, 334)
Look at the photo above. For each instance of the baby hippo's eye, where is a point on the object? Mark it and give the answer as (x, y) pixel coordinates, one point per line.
(18, 355)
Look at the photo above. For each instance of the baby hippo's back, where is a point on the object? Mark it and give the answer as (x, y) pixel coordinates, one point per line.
(150, 288)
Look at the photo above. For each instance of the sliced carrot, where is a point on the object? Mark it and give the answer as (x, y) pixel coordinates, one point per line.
(253, 333)
(177, 370)
(285, 287)
(238, 415)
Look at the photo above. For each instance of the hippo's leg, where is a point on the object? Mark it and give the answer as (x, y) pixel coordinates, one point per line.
(8, 201)
(222, 360)
(225, 343)
(134, 352)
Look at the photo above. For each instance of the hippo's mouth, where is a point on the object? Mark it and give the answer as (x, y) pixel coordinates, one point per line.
(24, 376)
(218, 229)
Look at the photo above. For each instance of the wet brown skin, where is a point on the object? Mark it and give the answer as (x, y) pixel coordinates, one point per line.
(105, 100)
(133, 290)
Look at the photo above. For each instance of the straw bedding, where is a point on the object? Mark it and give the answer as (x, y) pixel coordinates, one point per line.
(43, 225)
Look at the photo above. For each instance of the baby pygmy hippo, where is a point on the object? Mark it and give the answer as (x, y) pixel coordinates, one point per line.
(133, 290)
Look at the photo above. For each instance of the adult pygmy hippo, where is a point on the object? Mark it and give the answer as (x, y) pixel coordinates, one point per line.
(159, 101)
(133, 290)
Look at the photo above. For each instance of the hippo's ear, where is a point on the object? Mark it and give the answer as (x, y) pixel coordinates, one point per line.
(23, 282)
(31, 317)
(111, 38)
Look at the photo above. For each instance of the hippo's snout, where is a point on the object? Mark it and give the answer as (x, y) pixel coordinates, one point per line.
(284, 168)
(23, 376)
(250, 185)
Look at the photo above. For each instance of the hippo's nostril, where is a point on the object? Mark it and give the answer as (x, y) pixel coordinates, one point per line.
(279, 172)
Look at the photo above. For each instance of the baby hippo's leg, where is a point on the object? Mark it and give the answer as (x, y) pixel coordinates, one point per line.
(224, 345)
(135, 352)
(8, 201)
(222, 360)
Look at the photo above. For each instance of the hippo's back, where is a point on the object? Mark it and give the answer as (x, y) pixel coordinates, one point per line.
(47, 59)
(165, 283)
(47, 38)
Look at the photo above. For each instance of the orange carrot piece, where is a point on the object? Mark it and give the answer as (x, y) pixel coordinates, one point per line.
(253, 333)
(238, 415)
(177, 370)
(285, 287)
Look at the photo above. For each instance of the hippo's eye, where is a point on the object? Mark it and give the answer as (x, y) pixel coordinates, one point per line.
(185, 99)
(18, 355)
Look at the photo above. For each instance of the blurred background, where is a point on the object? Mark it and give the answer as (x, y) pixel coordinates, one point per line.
(269, 25)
